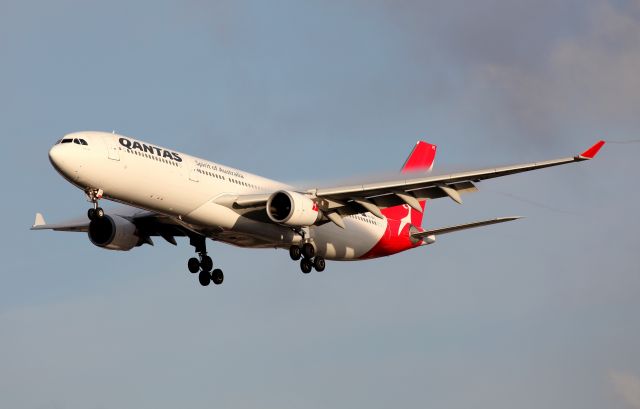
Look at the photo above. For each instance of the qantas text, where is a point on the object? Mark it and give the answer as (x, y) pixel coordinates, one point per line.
(150, 149)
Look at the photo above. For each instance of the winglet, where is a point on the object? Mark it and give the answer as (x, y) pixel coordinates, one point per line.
(39, 221)
(592, 151)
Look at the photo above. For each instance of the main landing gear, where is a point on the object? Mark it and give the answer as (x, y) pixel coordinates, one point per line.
(306, 255)
(203, 265)
(96, 212)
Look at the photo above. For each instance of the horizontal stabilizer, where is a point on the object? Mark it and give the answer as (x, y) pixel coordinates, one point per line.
(451, 229)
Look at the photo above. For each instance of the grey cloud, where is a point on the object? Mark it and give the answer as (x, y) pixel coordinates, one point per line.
(627, 385)
(592, 77)
(534, 68)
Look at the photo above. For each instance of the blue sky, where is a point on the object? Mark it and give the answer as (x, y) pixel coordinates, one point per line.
(537, 313)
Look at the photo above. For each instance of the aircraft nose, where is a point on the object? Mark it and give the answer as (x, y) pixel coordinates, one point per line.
(55, 156)
(61, 159)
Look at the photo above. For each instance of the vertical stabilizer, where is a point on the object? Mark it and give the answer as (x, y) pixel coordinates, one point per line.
(420, 160)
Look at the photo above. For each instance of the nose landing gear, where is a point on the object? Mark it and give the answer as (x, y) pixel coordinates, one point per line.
(203, 264)
(95, 213)
(93, 195)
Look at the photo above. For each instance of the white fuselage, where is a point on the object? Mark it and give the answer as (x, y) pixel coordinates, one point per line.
(200, 194)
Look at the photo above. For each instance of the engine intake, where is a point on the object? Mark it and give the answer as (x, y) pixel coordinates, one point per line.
(113, 233)
(292, 209)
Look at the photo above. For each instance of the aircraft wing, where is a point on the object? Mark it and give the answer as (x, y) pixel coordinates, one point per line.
(371, 197)
(147, 223)
(77, 225)
(392, 193)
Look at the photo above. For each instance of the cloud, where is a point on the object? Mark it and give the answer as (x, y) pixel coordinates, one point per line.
(538, 70)
(591, 76)
(627, 385)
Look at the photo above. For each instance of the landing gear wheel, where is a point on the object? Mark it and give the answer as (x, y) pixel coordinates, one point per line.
(306, 265)
(204, 278)
(217, 277)
(194, 265)
(91, 214)
(99, 212)
(308, 251)
(319, 264)
(295, 253)
(206, 264)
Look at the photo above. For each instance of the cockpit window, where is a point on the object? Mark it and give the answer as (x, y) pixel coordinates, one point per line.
(77, 141)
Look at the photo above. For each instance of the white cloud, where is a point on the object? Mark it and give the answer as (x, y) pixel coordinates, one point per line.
(627, 385)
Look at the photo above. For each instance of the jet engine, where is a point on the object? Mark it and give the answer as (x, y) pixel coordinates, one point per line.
(292, 209)
(113, 233)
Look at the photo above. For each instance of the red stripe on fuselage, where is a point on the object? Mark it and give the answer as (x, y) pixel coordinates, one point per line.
(396, 238)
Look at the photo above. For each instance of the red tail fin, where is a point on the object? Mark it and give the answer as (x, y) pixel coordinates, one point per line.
(420, 159)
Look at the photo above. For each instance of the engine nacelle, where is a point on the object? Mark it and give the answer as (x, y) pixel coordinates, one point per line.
(113, 233)
(292, 209)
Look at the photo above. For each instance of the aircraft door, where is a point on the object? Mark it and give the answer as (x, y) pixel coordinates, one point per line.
(112, 150)
(193, 173)
(113, 153)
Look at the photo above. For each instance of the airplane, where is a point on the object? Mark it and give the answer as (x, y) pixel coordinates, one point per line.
(170, 194)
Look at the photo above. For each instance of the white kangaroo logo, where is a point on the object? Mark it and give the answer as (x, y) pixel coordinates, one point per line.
(405, 220)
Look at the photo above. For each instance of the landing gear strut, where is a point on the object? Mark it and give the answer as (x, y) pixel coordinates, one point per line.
(93, 196)
(203, 264)
(306, 255)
